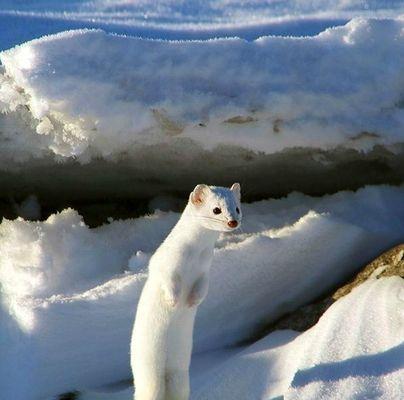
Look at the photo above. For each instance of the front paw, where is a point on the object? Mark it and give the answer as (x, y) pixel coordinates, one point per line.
(171, 300)
(173, 292)
(198, 292)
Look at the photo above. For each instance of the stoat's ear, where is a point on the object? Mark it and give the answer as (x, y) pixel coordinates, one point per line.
(197, 196)
(236, 189)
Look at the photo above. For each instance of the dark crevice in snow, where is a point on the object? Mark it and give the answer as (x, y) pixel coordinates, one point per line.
(69, 396)
(122, 189)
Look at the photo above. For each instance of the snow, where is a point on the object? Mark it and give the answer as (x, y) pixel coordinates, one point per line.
(355, 351)
(147, 98)
(272, 94)
(69, 293)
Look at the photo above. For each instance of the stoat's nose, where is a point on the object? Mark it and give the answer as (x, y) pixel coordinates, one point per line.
(232, 224)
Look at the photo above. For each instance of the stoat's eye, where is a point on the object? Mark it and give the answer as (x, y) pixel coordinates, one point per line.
(217, 210)
(237, 210)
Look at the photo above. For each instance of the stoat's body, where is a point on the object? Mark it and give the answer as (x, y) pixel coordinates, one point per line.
(177, 283)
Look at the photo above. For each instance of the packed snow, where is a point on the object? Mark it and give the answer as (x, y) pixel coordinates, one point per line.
(69, 293)
(266, 96)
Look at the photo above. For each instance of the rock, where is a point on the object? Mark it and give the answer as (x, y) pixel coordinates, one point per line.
(388, 264)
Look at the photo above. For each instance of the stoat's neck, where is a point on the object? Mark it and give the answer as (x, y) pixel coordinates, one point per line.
(189, 231)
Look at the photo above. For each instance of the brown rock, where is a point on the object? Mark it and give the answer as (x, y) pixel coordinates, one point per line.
(388, 264)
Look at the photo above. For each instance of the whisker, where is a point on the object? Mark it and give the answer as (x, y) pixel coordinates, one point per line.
(216, 220)
(202, 217)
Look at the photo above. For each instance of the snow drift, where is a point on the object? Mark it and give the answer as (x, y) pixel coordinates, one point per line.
(69, 293)
(267, 95)
(354, 351)
(312, 108)
(331, 360)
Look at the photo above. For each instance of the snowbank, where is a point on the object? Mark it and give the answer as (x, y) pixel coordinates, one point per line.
(340, 88)
(315, 114)
(354, 351)
(69, 293)
(331, 360)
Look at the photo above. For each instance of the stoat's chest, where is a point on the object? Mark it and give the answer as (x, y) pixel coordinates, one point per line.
(193, 263)
(189, 262)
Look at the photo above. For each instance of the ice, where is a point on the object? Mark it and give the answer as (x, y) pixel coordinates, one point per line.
(69, 293)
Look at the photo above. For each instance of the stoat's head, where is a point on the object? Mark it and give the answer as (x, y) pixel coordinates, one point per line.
(216, 208)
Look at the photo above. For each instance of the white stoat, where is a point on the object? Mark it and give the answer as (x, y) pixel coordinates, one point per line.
(177, 283)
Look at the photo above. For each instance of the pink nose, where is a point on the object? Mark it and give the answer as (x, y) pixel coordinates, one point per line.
(232, 224)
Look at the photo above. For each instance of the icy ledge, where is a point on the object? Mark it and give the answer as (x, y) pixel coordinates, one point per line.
(134, 118)
(87, 93)
(69, 293)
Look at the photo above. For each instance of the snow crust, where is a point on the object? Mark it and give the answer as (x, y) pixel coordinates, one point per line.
(70, 97)
(69, 293)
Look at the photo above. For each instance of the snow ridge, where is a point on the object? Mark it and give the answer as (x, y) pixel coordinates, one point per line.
(340, 88)
(354, 351)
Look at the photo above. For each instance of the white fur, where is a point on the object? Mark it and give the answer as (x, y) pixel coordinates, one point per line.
(178, 282)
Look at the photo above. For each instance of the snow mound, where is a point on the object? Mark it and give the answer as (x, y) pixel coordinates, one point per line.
(69, 293)
(354, 351)
(339, 88)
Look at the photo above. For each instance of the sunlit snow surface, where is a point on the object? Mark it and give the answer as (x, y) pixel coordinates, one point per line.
(355, 351)
(69, 293)
(69, 94)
